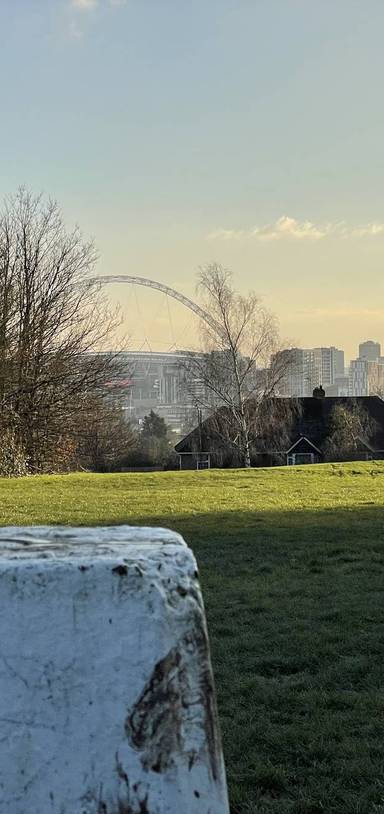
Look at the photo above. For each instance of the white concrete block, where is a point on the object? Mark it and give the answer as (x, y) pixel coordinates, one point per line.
(107, 703)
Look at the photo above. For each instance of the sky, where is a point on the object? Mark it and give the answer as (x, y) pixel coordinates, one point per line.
(182, 132)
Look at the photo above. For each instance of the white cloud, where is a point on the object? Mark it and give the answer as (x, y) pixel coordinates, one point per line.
(77, 7)
(287, 228)
(290, 227)
(84, 5)
(369, 230)
(87, 5)
(227, 234)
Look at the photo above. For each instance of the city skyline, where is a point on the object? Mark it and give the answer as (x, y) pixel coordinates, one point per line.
(177, 134)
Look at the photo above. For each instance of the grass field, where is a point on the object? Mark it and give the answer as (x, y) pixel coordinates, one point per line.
(292, 568)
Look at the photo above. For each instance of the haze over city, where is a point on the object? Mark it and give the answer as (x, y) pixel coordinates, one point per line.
(179, 133)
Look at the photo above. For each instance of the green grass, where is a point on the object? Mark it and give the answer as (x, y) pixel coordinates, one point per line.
(292, 568)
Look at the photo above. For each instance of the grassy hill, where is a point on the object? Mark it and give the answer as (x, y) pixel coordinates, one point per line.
(291, 563)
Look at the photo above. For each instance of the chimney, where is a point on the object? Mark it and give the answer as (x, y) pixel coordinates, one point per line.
(318, 393)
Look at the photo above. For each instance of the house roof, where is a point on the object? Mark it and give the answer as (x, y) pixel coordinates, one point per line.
(303, 438)
(310, 420)
(314, 416)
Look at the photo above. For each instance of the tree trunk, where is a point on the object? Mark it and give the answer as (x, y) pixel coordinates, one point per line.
(245, 450)
(247, 456)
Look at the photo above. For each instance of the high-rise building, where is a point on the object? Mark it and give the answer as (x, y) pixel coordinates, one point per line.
(324, 366)
(310, 368)
(358, 377)
(369, 350)
(366, 378)
(338, 363)
(295, 380)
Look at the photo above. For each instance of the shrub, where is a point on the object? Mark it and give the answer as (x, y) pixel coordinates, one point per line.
(13, 460)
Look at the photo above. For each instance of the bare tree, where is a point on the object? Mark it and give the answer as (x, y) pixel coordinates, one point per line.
(241, 367)
(376, 379)
(52, 322)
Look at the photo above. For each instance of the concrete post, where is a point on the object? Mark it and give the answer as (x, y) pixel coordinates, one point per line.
(107, 703)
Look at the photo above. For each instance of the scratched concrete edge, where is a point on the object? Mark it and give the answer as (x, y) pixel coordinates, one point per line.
(34, 541)
(20, 546)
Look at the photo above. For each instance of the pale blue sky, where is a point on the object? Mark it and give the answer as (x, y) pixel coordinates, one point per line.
(179, 132)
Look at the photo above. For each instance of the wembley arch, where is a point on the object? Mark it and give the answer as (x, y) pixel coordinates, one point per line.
(170, 292)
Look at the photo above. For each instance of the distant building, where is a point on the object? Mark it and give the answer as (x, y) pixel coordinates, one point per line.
(338, 363)
(311, 367)
(340, 387)
(326, 364)
(358, 378)
(157, 381)
(369, 350)
(366, 377)
(295, 381)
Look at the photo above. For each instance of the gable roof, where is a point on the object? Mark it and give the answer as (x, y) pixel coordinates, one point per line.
(299, 440)
(314, 416)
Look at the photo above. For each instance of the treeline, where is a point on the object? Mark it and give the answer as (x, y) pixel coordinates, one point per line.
(56, 411)
(152, 446)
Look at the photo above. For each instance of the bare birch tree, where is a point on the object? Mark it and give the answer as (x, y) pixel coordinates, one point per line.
(240, 367)
(52, 320)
